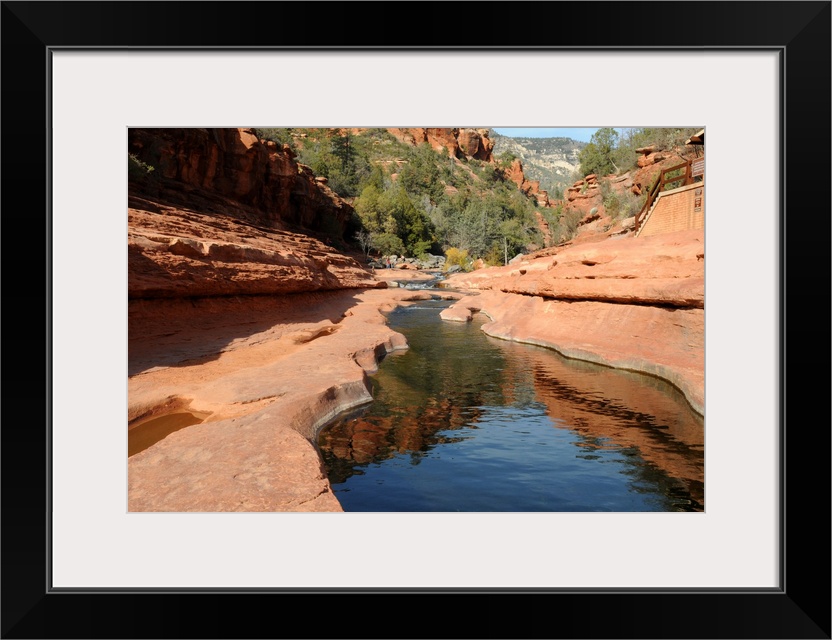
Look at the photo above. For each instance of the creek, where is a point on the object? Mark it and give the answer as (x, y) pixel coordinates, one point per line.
(464, 422)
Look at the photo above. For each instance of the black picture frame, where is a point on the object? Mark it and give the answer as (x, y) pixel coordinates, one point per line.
(800, 608)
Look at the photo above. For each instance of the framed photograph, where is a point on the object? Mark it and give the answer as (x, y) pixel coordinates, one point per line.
(754, 563)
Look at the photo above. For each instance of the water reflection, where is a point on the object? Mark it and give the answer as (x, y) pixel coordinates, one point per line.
(464, 422)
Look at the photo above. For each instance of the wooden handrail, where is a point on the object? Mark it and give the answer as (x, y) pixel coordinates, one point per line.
(678, 166)
(651, 196)
(658, 187)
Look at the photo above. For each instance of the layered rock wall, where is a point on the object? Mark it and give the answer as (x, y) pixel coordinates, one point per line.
(223, 214)
(177, 253)
(221, 169)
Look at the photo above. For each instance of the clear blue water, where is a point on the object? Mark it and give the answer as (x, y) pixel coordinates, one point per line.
(464, 422)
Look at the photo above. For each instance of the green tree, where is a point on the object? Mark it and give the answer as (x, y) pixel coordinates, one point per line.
(422, 172)
(597, 156)
(412, 225)
(343, 150)
(387, 244)
(369, 208)
(375, 177)
(341, 158)
(436, 202)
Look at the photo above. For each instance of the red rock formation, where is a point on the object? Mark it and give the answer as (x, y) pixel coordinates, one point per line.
(475, 143)
(216, 220)
(584, 201)
(651, 155)
(443, 138)
(230, 171)
(175, 252)
(413, 136)
(653, 158)
(515, 173)
(530, 187)
(457, 143)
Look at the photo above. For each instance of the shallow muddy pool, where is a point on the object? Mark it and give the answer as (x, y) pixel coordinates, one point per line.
(149, 433)
(464, 422)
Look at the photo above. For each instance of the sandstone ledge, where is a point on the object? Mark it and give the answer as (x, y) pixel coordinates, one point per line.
(176, 252)
(270, 372)
(666, 270)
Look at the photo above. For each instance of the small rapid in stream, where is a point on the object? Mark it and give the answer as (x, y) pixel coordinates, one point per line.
(464, 422)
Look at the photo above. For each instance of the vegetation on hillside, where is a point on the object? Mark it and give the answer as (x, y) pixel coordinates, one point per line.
(415, 201)
(612, 152)
(137, 168)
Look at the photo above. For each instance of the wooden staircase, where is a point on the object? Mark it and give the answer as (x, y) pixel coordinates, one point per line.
(664, 179)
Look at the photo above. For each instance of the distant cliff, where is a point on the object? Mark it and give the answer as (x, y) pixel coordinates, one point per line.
(550, 161)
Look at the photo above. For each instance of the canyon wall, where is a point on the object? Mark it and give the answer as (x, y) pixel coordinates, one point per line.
(222, 214)
(230, 171)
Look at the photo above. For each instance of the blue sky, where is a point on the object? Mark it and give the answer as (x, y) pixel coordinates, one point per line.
(576, 133)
